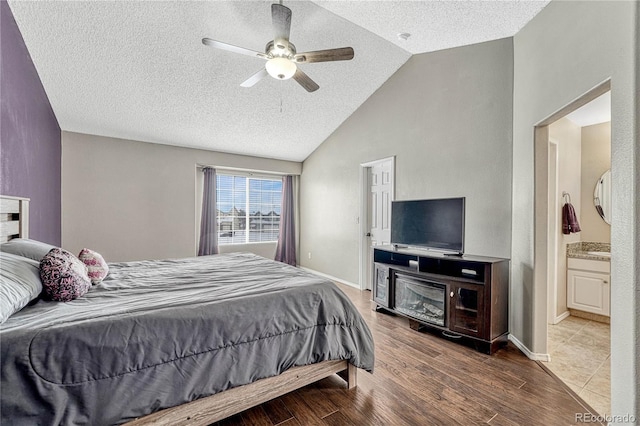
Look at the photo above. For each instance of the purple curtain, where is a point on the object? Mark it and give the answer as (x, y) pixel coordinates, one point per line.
(208, 222)
(286, 250)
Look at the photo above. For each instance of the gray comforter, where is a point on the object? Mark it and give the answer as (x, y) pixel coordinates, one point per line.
(156, 334)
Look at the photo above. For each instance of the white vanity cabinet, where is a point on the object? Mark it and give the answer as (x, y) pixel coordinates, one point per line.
(588, 285)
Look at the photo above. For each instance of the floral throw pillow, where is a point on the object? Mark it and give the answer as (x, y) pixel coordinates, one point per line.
(64, 277)
(96, 265)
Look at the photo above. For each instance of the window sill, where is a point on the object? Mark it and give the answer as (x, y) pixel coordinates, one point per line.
(246, 244)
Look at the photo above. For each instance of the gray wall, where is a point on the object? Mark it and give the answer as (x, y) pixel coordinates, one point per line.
(567, 49)
(446, 116)
(29, 136)
(132, 200)
(567, 135)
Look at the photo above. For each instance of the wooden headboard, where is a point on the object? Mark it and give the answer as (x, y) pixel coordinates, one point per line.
(14, 218)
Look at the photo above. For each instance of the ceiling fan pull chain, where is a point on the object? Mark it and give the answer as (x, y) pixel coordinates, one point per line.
(280, 96)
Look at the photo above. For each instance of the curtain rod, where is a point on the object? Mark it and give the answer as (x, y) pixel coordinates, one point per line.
(240, 169)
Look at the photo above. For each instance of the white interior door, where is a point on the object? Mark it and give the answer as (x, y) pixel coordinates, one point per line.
(380, 205)
(380, 195)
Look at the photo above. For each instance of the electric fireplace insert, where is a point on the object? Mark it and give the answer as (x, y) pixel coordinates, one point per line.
(420, 299)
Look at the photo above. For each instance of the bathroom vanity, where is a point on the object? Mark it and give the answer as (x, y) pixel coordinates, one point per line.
(588, 277)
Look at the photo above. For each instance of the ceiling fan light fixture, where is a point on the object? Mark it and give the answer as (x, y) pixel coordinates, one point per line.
(281, 54)
(281, 68)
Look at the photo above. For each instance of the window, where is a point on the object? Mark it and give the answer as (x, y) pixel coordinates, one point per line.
(248, 209)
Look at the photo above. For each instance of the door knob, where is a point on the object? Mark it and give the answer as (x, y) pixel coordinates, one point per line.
(368, 234)
(451, 294)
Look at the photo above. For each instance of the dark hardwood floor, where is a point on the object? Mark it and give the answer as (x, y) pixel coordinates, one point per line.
(421, 379)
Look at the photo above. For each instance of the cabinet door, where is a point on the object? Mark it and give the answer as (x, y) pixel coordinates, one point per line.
(588, 291)
(381, 287)
(466, 309)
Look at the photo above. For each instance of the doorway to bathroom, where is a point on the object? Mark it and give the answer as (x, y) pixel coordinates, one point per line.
(573, 161)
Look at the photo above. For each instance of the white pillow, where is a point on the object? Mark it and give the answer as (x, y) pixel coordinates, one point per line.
(19, 283)
(25, 247)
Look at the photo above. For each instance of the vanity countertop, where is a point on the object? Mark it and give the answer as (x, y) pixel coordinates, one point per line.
(589, 250)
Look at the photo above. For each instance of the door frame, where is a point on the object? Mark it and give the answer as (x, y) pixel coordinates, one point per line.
(540, 223)
(363, 218)
(552, 233)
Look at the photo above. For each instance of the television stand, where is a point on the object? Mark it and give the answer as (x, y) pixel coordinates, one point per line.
(460, 297)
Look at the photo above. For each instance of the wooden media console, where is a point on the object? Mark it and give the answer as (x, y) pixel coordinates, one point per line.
(464, 298)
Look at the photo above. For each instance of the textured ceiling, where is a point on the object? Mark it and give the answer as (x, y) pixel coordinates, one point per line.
(138, 70)
(437, 24)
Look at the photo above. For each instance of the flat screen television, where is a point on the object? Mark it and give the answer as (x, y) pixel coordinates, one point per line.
(436, 224)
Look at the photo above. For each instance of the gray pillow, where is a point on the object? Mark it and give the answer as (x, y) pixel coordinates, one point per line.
(27, 248)
(19, 283)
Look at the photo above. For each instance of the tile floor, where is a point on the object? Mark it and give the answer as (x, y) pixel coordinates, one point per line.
(580, 352)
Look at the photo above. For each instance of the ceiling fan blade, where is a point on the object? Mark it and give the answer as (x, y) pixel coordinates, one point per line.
(281, 19)
(305, 81)
(255, 78)
(340, 54)
(231, 48)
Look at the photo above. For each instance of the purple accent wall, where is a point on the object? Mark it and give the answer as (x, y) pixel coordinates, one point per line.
(30, 137)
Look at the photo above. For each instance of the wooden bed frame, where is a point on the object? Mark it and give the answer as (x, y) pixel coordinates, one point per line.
(14, 218)
(14, 223)
(216, 407)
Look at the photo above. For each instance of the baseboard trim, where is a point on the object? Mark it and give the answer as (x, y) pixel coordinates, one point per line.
(331, 277)
(531, 355)
(592, 317)
(561, 317)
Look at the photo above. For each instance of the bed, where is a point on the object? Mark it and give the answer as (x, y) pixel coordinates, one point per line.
(182, 341)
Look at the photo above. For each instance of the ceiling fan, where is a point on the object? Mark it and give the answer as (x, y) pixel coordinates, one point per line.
(280, 54)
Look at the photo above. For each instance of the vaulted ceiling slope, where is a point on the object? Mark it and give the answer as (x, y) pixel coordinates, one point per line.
(436, 24)
(138, 70)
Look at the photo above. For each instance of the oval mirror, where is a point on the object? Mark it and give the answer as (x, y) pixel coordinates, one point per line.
(602, 196)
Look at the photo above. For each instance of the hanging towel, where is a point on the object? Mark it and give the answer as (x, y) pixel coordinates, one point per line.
(569, 220)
